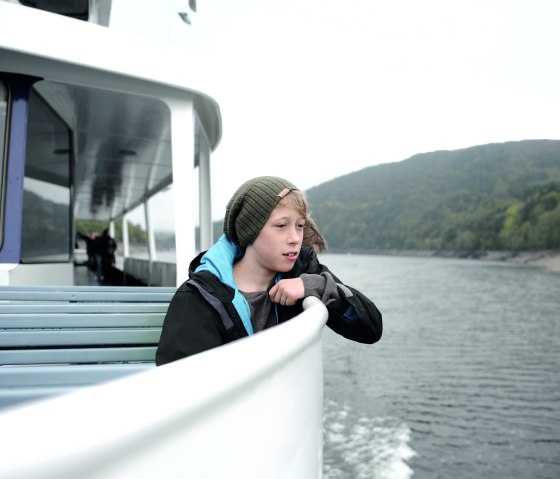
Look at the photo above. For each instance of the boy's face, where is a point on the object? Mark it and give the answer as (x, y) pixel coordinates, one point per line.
(278, 245)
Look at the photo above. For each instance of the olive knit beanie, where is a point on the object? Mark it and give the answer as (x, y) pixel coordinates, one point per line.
(251, 205)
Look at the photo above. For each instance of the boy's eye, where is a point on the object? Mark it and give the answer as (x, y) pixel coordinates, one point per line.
(301, 225)
(281, 225)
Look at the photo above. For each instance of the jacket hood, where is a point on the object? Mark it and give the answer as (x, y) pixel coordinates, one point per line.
(219, 260)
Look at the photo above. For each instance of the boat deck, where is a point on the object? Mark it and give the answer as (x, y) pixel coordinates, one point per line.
(83, 276)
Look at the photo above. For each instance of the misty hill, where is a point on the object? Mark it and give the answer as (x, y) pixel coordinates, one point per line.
(491, 197)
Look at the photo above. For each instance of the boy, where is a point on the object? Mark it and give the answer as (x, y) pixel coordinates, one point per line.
(257, 274)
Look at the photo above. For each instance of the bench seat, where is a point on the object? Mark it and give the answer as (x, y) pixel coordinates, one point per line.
(56, 339)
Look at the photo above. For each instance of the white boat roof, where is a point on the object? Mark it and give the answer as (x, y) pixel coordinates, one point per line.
(114, 89)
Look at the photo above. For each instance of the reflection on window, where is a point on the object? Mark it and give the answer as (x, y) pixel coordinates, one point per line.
(46, 230)
(162, 208)
(3, 159)
(46, 225)
(162, 213)
(137, 233)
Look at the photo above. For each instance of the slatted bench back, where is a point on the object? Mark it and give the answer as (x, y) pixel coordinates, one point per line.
(54, 339)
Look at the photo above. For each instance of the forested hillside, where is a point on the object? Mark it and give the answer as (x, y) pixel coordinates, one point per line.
(490, 197)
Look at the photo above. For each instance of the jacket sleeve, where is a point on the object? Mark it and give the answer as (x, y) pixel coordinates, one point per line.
(353, 316)
(189, 327)
(361, 321)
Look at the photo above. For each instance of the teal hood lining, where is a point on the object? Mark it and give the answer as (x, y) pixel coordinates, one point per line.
(219, 260)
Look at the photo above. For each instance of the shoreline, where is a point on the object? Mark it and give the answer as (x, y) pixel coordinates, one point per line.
(548, 260)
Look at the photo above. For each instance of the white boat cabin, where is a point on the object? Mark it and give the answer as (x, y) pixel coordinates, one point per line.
(93, 128)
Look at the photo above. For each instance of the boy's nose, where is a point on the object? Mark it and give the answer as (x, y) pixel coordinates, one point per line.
(294, 236)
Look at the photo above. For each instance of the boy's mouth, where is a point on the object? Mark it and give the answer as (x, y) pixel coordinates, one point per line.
(291, 254)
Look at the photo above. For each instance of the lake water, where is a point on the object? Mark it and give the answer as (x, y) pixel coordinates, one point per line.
(465, 382)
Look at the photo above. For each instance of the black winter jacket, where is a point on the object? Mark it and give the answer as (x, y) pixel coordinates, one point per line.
(192, 324)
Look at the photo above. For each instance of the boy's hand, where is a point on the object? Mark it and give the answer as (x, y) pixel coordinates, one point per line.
(287, 291)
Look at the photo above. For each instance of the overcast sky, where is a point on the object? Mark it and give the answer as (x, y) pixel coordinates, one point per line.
(314, 89)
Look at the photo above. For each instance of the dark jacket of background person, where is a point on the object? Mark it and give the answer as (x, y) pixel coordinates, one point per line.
(91, 249)
(106, 247)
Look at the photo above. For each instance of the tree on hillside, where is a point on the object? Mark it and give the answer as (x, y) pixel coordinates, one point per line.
(498, 196)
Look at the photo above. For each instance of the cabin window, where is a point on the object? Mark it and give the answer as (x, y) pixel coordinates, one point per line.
(137, 233)
(71, 8)
(3, 156)
(46, 226)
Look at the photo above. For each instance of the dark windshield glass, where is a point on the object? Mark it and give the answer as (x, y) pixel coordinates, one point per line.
(46, 230)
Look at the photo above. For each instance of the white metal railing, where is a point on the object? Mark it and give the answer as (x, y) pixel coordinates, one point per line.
(249, 409)
(152, 273)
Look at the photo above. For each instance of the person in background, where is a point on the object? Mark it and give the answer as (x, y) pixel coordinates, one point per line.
(90, 241)
(106, 247)
(257, 274)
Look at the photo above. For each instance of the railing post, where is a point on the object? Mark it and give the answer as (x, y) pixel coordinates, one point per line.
(151, 238)
(204, 189)
(183, 153)
(126, 245)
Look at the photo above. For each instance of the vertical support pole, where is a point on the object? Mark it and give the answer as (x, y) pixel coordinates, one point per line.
(182, 152)
(151, 234)
(112, 234)
(151, 240)
(205, 193)
(14, 170)
(126, 245)
(125, 240)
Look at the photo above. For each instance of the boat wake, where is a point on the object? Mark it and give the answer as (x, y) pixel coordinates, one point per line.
(361, 447)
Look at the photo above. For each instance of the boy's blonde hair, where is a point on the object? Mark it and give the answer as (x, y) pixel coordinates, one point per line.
(311, 235)
(295, 199)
